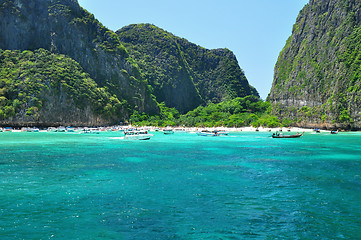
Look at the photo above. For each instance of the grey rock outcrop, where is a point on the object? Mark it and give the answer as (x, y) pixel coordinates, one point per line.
(315, 83)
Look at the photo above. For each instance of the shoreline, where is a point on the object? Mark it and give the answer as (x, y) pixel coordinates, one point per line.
(175, 129)
(241, 129)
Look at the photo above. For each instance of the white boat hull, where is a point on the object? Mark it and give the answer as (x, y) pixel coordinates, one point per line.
(206, 134)
(138, 137)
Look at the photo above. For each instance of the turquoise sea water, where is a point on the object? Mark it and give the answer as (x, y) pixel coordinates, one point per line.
(181, 186)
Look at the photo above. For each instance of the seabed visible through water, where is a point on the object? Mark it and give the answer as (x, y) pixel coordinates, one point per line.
(180, 186)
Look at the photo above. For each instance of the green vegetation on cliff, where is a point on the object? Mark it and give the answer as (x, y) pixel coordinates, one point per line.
(63, 27)
(318, 76)
(182, 74)
(56, 56)
(28, 79)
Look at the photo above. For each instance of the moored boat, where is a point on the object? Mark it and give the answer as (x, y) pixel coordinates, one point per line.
(61, 129)
(316, 130)
(280, 135)
(137, 135)
(207, 133)
(180, 130)
(52, 129)
(70, 129)
(8, 129)
(90, 130)
(212, 133)
(35, 129)
(168, 131)
(222, 132)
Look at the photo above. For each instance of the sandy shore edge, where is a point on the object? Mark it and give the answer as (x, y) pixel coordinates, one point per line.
(242, 129)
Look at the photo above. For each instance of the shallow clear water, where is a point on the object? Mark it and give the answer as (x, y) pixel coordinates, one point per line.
(181, 186)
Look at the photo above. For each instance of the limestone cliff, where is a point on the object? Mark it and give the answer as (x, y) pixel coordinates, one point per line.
(317, 78)
(46, 89)
(60, 66)
(63, 27)
(182, 74)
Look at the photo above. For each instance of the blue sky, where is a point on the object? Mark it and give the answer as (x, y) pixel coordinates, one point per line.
(255, 30)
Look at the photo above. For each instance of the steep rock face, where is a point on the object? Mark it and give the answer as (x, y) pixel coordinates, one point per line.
(47, 89)
(182, 74)
(317, 75)
(62, 26)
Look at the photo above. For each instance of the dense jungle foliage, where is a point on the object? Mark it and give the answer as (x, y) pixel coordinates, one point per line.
(28, 79)
(239, 112)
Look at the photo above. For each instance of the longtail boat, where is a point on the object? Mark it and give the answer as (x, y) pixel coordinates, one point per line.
(277, 135)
